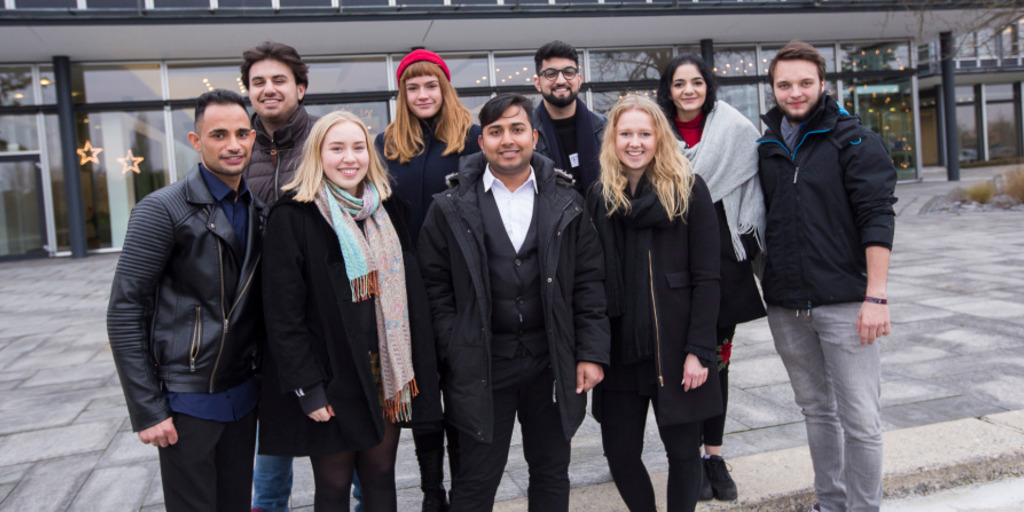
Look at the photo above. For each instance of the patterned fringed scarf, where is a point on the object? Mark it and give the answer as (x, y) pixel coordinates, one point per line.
(375, 268)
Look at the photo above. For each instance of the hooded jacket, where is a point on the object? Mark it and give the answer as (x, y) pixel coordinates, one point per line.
(827, 200)
(275, 159)
(453, 259)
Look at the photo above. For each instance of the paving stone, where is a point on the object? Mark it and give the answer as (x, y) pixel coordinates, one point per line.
(14, 473)
(40, 416)
(73, 373)
(908, 391)
(50, 485)
(55, 442)
(114, 488)
(125, 448)
(755, 372)
(755, 412)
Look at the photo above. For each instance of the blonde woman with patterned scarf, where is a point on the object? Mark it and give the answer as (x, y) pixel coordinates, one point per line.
(351, 355)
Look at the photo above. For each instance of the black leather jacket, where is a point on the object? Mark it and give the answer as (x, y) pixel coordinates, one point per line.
(185, 313)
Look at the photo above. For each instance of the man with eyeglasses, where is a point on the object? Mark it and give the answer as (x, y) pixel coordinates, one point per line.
(568, 132)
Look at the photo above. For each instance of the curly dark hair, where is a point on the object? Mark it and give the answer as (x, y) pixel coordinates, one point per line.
(275, 51)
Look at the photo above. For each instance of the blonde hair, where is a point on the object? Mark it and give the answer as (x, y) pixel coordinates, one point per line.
(403, 138)
(670, 173)
(309, 177)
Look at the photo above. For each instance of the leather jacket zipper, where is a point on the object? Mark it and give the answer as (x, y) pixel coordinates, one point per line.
(657, 331)
(227, 314)
(197, 340)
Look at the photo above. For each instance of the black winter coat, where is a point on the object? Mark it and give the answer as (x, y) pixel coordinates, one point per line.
(454, 262)
(184, 313)
(316, 334)
(424, 175)
(827, 200)
(685, 265)
(275, 159)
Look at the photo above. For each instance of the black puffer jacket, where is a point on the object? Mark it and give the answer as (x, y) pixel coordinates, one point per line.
(454, 263)
(275, 159)
(185, 314)
(827, 201)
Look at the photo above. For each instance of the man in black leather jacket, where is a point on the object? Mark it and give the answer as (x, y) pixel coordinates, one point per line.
(185, 317)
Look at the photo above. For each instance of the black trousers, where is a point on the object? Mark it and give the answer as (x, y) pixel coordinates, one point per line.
(622, 436)
(523, 385)
(210, 467)
(714, 427)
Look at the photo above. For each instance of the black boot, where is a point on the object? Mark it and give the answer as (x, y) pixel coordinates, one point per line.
(432, 479)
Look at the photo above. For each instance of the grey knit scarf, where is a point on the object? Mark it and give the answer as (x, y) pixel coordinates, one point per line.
(726, 158)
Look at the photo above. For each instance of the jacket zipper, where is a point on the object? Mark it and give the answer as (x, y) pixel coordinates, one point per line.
(277, 168)
(197, 337)
(227, 315)
(657, 331)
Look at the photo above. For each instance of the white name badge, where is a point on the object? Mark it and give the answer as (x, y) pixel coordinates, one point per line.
(574, 159)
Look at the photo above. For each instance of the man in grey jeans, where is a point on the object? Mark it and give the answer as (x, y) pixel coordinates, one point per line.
(828, 184)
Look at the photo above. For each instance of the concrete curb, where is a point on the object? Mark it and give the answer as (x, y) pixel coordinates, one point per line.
(917, 461)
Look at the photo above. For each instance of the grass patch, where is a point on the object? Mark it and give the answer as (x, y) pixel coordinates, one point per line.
(981, 192)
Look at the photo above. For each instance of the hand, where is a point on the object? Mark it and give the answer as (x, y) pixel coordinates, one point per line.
(322, 414)
(872, 322)
(162, 434)
(694, 373)
(588, 375)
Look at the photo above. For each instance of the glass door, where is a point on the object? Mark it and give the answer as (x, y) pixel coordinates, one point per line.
(22, 215)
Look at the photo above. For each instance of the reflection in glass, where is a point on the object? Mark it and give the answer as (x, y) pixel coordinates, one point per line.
(882, 56)
(999, 92)
(373, 113)
(1002, 131)
(113, 186)
(349, 75)
(21, 216)
(242, 4)
(116, 4)
(18, 133)
(514, 69)
(115, 82)
(967, 133)
(886, 107)
(628, 65)
(46, 4)
(604, 101)
(742, 98)
(163, 4)
(965, 94)
(475, 103)
(305, 3)
(47, 83)
(466, 70)
(185, 156)
(16, 86)
(192, 80)
(737, 61)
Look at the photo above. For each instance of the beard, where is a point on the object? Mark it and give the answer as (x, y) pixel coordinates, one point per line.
(560, 101)
(795, 118)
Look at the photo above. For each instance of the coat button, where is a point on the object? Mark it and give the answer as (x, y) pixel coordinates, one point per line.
(549, 279)
(559, 233)
(519, 300)
(519, 262)
(213, 226)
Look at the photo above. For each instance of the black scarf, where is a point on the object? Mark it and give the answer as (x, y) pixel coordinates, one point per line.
(626, 240)
(586, 143)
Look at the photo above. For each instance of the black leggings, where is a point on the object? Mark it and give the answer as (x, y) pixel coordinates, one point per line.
(622, 434)
(430, 440)
(332, 475)
(713, 428)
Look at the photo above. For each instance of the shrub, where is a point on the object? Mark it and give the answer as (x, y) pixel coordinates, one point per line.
(1013, 184)
(981, 192)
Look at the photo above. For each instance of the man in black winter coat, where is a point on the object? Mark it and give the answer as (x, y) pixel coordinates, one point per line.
(828, 184)
(185, 316)
(514, 273)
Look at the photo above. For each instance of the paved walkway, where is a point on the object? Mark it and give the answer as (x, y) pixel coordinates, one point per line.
(957, 351)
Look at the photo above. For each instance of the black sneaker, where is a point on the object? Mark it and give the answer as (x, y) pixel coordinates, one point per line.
(722, 485)
(705, 492)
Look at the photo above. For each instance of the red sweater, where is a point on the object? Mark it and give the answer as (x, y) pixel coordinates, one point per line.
(691, 130)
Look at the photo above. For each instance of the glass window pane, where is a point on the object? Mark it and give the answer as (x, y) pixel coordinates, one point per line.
(742, 98)
(514, 69)
(967, 133)
(604, 101)
(733, 62)
(628, 65)
(466, 70)
(360, 74)
(46, 4)
(999, 92)
(1002, 131)
(48, 84)
(874, 56)
(16, 86)
(305, 3)
(192, 80)
(363, 3)
(886, 107)
(114, 4)
(128, 161)
(21, 200)
(18, 133)
(965, 94)
(185, 156)
(373, 113)
(57, 190)
(475, 103)
(181, 4)
(242, 4)
(768, 53)
(115, 82)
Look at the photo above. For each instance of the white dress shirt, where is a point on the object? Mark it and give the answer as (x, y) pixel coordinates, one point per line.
(516, 208)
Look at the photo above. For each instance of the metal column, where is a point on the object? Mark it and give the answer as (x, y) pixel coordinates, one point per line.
(69, 160)
(948, 45)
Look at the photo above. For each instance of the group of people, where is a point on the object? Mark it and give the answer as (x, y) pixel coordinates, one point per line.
(319, 289)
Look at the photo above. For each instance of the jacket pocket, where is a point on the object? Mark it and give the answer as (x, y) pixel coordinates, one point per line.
(197, 340)
(678, 279)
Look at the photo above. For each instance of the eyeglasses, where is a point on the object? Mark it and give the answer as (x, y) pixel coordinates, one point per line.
(552, 74)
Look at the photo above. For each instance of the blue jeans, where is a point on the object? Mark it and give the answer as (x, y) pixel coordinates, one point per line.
(837, 383)
(357, 492)
(272, 483)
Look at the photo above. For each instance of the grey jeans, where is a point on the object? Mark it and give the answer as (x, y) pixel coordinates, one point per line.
(837, 383)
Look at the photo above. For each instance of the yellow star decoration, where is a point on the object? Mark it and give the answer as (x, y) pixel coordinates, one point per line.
(92, 156)
(130, 163)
